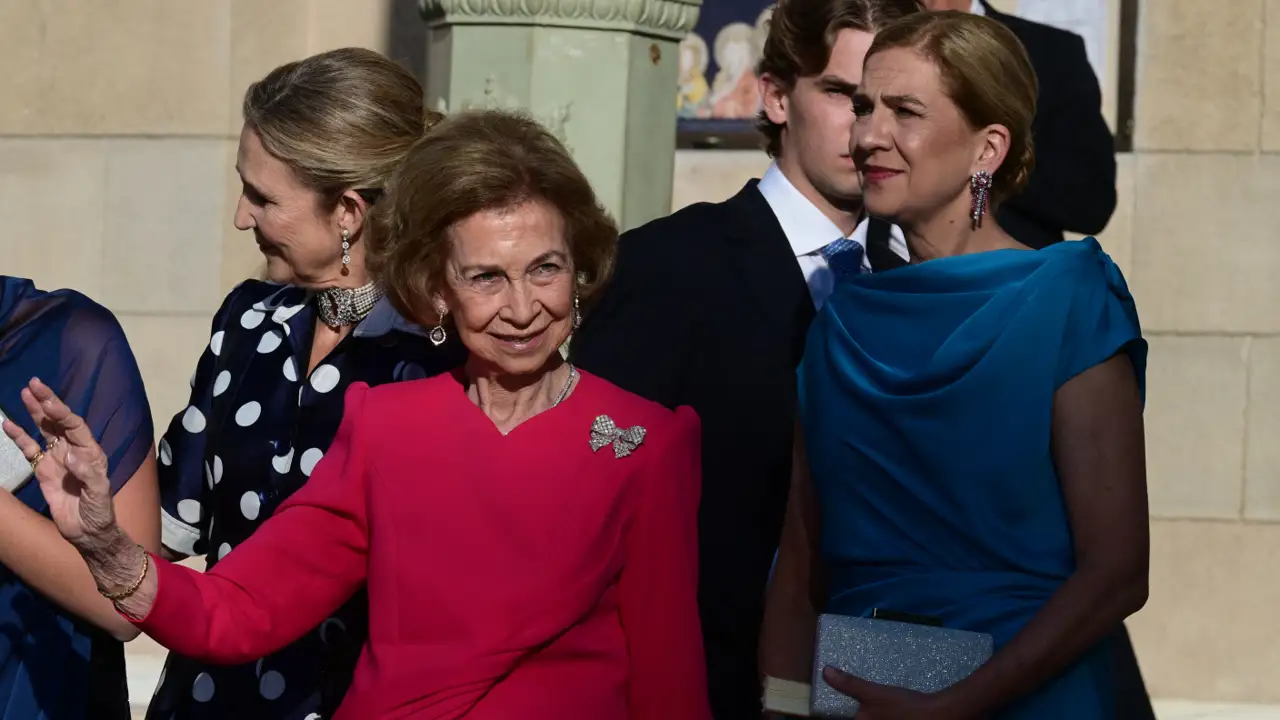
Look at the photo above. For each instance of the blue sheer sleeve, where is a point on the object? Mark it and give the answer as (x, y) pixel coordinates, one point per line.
(99, 380)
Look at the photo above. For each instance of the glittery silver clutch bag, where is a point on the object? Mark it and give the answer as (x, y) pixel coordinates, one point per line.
(909, 655)
(15, 471)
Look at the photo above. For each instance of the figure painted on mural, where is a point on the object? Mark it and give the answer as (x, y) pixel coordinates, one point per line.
(62, 656)
(527, 532)
(321, 136)
(990, 472)
(717, 298)
(734, 93)
(691, 102)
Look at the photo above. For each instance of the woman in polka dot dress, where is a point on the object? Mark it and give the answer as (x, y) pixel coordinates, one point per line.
(320, 138)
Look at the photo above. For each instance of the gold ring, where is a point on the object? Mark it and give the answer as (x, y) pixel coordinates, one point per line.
(53, 444)
(36, 460)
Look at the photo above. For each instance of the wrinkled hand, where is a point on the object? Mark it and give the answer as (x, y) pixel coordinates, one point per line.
(884, 702)
(73, 472)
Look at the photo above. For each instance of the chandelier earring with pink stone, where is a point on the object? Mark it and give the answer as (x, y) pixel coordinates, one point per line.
(980, 189)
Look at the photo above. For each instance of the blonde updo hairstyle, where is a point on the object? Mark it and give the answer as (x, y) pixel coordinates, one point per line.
(986, 73)
(340, 120)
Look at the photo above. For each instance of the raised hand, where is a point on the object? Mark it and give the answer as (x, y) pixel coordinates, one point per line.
(71, 470)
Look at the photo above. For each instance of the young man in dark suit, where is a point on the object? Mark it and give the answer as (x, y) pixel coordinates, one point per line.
(709, 308)
(1073, 186)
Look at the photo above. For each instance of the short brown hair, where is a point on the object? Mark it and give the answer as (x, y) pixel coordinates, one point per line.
(340, 120)
(801, 36)
(473, 162)
(986, 73)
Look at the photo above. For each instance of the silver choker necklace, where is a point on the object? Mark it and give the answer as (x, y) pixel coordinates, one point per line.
(339, 307)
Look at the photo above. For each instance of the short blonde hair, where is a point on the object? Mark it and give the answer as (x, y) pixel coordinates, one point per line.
(986, 73)
(340, 120)
(473, 162)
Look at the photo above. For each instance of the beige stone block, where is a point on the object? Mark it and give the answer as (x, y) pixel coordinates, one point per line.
(164, 213)
(349, 23)
(713, 175)
(1209, 630)
(1204, 255)
(167, 348)
(1195, 426)
(1262, 445)
(1271, 76)
(264, 35)
(123, 67)
(1199, 75)
(51, 196)
(1117, 237)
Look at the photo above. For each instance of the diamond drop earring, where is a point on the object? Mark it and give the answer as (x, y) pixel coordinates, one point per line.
(346, 251)
(437, 335)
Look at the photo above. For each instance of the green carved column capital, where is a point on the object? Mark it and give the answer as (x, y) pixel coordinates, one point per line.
(667, 19)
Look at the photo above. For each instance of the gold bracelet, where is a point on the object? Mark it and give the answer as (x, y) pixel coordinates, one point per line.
(117, 597)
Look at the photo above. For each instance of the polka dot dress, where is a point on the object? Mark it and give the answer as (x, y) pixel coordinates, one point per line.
(255, 429)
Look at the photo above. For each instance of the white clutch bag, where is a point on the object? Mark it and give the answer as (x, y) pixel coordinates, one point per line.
(15, 471)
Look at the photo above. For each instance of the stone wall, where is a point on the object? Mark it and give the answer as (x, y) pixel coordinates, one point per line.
(118, 131)
(1196, 234)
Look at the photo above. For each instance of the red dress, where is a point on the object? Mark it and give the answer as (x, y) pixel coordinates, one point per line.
(517, 576)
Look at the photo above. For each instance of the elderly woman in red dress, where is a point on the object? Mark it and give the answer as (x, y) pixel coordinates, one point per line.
(527, 531)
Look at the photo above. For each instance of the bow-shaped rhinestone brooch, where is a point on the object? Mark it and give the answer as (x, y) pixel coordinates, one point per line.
(605, 431)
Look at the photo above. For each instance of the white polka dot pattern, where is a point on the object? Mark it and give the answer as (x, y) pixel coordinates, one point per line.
(202, 689)
(244, 424)
(221, 383)
(325, 378)
(284, 312)
(189, 510)
(248, 413)
(282, 463)
(309, 459)
(270, 340)
(251, 319)
(193, 420)
(271, 685)
(250, 505)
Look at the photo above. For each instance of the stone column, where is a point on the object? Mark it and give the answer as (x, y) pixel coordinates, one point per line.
(601, 74)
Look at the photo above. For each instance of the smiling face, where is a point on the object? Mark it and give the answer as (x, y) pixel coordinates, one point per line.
(301, 243)
(913, 148)
(815, 113)
(510, 286)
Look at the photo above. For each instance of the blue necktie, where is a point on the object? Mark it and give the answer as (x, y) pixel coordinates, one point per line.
(843, 256)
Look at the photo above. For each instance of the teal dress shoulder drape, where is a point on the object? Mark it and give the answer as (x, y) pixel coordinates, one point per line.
(926, 395)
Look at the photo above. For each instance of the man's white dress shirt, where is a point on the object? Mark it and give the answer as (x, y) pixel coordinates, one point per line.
(808, 231)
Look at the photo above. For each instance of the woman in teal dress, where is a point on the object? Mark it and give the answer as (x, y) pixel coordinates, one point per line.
(972, 423)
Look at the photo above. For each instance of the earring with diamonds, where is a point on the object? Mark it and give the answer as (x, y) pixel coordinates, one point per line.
(437, 335)
(577, 314)
(346, 251)
(980, 188)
